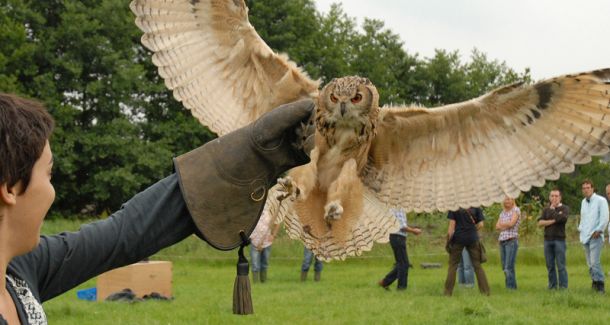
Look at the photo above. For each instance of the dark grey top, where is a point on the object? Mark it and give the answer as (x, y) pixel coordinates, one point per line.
(556, 231)
(465, 225)
(153, 219)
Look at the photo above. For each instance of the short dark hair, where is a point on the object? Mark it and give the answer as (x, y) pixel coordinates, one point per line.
(556, 189)
(588, 181)
(25, 127)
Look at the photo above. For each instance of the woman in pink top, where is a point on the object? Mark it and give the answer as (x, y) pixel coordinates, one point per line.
(508, 226)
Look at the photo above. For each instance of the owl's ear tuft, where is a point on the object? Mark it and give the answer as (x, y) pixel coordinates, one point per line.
(366, 81)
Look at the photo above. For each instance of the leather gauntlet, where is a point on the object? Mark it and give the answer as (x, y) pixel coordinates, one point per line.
(225, 182)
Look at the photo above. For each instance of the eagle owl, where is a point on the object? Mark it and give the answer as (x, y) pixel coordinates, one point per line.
(346, 117)
(367, 158)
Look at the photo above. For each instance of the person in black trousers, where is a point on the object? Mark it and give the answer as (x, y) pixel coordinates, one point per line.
(398, 241)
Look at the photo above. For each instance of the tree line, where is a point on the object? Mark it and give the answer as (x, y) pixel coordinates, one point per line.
(118, 126)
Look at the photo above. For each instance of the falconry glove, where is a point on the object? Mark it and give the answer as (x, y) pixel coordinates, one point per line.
(225, 181)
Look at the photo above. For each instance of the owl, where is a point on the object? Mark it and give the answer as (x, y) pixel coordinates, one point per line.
(368, 159)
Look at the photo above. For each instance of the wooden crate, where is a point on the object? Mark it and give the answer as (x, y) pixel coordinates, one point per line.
(142, 278)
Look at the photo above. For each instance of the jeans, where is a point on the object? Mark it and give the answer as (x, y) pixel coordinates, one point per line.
(465, 270)
(593, 252)
(308, 257)
(474, 250)
(508, 255)
(400, 270)
(260, 259)
(555, 256)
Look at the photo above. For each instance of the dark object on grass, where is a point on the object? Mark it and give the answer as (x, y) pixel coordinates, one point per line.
(156, 296)
(126, 295)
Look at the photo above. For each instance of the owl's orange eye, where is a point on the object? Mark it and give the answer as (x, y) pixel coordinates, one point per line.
(333, 98)
(357, 98)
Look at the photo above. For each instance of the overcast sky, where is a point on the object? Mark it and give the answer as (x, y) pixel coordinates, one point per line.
(550, 37)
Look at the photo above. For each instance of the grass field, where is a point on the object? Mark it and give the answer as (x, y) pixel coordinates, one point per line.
(348, 294)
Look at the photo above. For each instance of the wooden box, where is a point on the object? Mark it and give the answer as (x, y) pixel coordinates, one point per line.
(142, 278)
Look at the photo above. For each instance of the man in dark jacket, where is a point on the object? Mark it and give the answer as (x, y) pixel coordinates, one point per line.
(553, 220)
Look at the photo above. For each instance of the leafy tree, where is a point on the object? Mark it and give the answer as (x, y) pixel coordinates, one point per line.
(445, 79)
(117, 126)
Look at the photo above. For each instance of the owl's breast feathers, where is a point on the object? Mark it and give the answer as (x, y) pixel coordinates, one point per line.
(348, 139)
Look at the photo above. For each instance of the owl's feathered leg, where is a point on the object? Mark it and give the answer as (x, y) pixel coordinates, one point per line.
(344, 196)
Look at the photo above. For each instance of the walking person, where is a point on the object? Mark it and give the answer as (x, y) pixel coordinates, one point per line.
(593, 221)
(398, 241)
(553, 219)
(508, 226)
(261, 240)
(462, 233)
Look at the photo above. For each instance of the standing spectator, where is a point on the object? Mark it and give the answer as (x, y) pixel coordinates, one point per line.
(262, 237)
(508, 225)
(462, 232)
(465, 272)
(398, 241)
(308, 258)
(553, 219)
(593, 221)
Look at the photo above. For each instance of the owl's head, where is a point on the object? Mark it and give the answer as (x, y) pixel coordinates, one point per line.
(348, 99)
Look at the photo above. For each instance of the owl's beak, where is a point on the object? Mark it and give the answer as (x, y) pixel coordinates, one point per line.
(343, 109)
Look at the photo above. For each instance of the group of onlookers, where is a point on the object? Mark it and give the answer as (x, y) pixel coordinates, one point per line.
(466, 251)
(593, 221)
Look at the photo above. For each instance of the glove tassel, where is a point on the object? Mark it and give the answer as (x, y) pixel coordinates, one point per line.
(242, 296)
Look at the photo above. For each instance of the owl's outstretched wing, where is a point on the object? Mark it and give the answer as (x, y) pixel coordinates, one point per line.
(476, 152)
(214, 61)
(375, 225)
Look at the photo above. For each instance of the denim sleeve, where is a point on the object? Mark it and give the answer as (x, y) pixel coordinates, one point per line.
(153, 219)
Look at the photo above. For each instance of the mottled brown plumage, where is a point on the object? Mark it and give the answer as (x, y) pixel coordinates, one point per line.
(370, 158)
(329, 186)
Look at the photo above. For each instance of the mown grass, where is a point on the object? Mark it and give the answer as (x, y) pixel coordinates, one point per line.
(203, 284)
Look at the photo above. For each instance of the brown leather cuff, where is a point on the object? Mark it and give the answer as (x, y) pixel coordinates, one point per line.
(220, 205)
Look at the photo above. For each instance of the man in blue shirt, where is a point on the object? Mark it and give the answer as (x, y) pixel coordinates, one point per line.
(593, 221)
(398, 241)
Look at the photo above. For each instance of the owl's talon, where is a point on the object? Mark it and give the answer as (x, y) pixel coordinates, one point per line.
(288, 189)
(305, 136)
(333, 211)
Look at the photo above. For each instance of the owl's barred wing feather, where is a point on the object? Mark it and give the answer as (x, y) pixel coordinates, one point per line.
(476, 152)
(374, 225)
(214, 61)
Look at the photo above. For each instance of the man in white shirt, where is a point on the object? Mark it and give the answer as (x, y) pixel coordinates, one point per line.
(593, 222)
(398, 241)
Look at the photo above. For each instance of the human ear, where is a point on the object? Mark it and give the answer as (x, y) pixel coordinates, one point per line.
(8, 195)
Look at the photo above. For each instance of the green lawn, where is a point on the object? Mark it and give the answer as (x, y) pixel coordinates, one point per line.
(347, 294)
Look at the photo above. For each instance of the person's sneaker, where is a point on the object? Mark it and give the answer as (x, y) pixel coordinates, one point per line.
(381, 284)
